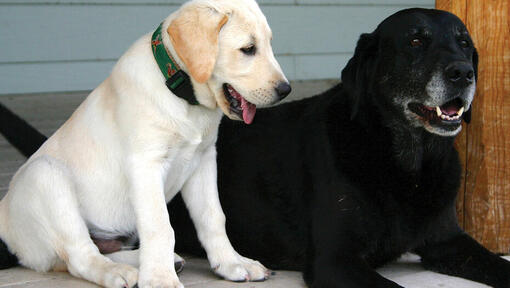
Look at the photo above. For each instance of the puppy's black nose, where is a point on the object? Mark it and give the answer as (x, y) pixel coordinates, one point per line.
(460, 73)
(283, 89)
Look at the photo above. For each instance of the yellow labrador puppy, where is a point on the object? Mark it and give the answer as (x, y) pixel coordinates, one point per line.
(136, 141)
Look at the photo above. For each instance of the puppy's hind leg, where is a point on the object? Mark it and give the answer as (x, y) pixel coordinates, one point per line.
(200, 193)
(53, 210)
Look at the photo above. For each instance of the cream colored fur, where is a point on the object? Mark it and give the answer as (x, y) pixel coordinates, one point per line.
(132, 145)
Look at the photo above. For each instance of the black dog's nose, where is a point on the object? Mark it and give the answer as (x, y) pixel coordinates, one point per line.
(283, 89)
(460, 73)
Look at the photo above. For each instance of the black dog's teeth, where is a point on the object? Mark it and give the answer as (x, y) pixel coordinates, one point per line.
(436, 114)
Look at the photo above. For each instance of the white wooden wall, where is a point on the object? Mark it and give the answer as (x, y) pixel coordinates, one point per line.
(71, 45)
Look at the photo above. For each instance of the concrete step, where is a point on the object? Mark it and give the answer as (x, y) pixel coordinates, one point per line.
(197, 274)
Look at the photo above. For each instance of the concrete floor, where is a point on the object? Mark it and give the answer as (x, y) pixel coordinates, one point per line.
(48, 111)
(406, 272)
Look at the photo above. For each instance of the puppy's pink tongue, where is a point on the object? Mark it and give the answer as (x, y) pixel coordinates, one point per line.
(248, 111)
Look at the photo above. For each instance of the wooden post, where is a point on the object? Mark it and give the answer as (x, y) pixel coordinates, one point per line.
(484, 146)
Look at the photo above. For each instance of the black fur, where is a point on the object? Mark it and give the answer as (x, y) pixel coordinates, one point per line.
(344, 182)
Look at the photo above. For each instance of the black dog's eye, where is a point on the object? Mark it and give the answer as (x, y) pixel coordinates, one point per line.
(249, 50)
(416, 42)
(464, 43)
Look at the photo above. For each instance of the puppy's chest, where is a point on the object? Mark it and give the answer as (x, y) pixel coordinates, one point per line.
(181, 161)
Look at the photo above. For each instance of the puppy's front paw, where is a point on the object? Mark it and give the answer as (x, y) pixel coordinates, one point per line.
(244, 269)
(159, 279)
(120, 276)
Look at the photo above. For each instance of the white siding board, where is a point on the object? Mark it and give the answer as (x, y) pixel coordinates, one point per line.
(261, 2)
(126, 2)
(48, 77)
(76, 76)
(94, 2)
(288, 64)
(297, 30)
(70, 45)
(322, 29)
(408, 3)
(320, 66)
(67, 33)
(74, 37)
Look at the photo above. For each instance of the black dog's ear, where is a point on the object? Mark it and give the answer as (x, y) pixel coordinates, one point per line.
(467, 115)
(474, 59)
(357, 75)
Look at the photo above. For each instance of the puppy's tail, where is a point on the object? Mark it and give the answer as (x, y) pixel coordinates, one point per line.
(7, 259)
(19, 133)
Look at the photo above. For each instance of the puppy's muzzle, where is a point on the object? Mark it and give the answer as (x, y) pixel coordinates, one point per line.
(460, 74)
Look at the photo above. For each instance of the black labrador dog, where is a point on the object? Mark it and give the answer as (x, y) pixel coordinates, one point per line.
(344, 182)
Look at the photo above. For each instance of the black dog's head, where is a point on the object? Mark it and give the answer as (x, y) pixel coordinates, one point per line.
(419, 66)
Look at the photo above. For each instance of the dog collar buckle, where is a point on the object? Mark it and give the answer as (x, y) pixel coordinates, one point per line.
(180, 85)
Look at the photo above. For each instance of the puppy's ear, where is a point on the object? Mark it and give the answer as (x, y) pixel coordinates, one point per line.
(358, 75)
(467, 115)
(194, 35)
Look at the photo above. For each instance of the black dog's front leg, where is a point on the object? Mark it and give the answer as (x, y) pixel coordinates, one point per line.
(337, 241)
(328, 271)
(462, 256)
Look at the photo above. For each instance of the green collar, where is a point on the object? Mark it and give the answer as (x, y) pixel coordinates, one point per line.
(176, 79)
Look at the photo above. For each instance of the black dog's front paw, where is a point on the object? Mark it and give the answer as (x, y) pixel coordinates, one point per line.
(348, 283)
(462, 256)
(347, 276)
(505, 281)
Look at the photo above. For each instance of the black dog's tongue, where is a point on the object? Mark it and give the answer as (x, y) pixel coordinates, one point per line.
(450, 108)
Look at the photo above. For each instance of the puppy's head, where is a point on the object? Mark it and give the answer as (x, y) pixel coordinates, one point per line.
(227, 46)
(420, 67)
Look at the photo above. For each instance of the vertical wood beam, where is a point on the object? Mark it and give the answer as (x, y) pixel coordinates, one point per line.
(484, 145)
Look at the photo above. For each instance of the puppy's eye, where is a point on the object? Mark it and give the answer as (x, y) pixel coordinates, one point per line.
(249, 50)
(416, 42)
(464, 43)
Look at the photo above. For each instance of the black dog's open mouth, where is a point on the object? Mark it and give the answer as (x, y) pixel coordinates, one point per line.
(238, 105)
(449, 113)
